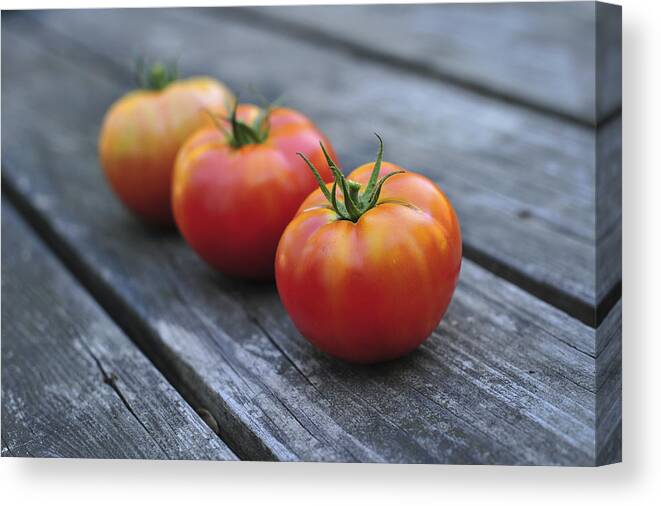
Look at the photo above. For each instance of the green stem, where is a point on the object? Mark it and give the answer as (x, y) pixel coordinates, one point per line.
(377, 167)
(355, 203)
(156, 76)
(240, 133)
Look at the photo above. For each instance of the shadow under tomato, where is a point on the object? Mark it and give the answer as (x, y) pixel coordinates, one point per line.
(259, 299)
(374, 371)
(149, 229)
(244, 286)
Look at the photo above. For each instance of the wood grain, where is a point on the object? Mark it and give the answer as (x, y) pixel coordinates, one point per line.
(506, 378)
(73, 385)
(538, 54)
(523, 183)
(608, 198)
(609, 388)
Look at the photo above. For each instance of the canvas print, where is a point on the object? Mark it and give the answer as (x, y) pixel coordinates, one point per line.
(357, 233)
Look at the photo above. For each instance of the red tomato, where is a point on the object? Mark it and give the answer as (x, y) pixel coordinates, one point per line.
(235, 190)
(142, 132)
(369, 278)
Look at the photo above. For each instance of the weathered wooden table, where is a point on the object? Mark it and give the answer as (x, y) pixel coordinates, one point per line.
(117, 341)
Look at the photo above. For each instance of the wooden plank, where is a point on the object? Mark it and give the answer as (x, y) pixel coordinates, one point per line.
(73, 385)
(609, 172)
(506, 378)
(540, 54)
(609, 388)
(523, 184)
(609, 210)
(608, 57)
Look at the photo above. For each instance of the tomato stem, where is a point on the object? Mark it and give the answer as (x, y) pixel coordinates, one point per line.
(354, 203)
(156, 76)
(240, 133)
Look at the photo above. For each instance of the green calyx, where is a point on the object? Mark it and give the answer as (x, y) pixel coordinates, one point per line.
(240, 133)
(357, 200)
(156, 76)
(254, 133)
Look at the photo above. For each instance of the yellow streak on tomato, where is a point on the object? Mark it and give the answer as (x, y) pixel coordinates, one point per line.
(305, 226)
(185, 161)
(340, 263)
(142, 133)
(122, 127)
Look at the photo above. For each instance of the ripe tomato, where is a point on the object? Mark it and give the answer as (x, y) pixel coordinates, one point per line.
(142, 132)
(367, 275)
(237, 186)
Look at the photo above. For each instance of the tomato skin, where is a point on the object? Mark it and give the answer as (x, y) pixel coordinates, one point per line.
(232, 204)
(373, 290)
(141, 134)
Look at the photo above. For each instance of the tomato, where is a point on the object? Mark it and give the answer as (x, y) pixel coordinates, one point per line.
(367, 275)
(142, 132)
(237, 186)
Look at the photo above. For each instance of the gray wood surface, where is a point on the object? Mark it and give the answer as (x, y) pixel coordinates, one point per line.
(540, 54)
(609, 388)
(522, 182)
(609, 209)
(608, 57)
(506, 378)
(73, 385)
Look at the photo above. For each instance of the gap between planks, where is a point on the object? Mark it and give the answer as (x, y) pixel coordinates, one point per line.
(78, 387)
(323, 38)
(118, 310)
